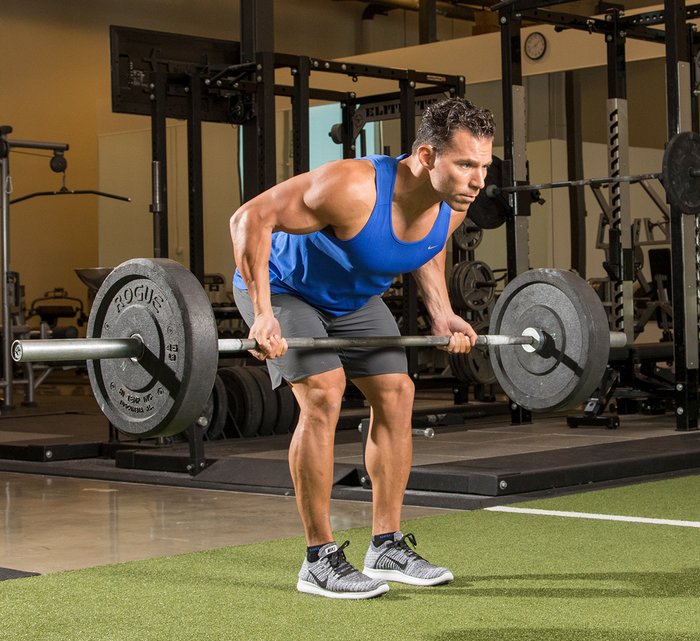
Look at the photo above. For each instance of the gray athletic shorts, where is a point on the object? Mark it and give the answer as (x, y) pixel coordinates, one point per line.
(298, 318)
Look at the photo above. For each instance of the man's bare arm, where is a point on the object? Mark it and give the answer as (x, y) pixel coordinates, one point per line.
(432, 284)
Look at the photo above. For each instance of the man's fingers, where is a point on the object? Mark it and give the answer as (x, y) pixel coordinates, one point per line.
(459, 343)
(272, 347)
(284, 345)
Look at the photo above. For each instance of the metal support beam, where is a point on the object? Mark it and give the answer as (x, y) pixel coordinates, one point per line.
(300, 116)
(620, 236)
(257, 28)
(427, 21)
(257, 45)
(574, 154)
(443, 8)
(348, 111)
(159, 206)
(514, 140)
(5, 267)
(514, 156)
(684, 258)
(195, 182)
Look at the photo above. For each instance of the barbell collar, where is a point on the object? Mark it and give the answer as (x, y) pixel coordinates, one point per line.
(618, 339)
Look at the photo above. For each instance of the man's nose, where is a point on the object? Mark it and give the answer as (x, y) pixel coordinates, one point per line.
(478, 179)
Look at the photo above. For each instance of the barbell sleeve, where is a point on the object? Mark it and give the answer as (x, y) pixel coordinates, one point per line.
(76, 349)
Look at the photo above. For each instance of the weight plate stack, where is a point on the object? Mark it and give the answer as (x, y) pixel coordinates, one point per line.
(220, 414)
(474, 367)
(472, 285)
(288, 413)
(268, 400)
(244, 401)
(468, 236)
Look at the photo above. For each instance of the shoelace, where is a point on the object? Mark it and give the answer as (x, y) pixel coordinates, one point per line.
(403, 545)
(339, 563)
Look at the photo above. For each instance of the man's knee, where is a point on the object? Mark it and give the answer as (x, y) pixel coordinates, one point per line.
(320, 396)
(389, 395)
(404, 388)
(394, 389)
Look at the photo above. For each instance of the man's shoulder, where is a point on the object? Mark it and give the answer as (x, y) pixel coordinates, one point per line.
(346, 172)
(358, 165)
(341, 190)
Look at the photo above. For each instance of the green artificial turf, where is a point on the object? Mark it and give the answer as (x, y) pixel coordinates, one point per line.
(677, 499)
(518, 577)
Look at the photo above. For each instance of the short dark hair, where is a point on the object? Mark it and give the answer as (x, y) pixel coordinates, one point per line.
(441, 119)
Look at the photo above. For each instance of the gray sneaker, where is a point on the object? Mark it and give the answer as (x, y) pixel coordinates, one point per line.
(332, 576)
(396, 561)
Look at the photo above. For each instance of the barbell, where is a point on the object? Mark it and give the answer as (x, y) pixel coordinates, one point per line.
(152, 347)
(679, 176)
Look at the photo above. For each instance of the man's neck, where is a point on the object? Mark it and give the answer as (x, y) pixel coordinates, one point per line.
(413, 192)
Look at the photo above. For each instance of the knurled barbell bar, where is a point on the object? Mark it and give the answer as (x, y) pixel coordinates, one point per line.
(152, 349)
(81, 349)
(679, 175)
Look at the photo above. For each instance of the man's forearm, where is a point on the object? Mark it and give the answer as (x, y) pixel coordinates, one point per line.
(433, 288)
(251, 248)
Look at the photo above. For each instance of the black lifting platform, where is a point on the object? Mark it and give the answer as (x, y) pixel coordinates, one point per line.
(535, 471)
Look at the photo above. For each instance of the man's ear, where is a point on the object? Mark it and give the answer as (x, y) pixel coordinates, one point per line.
(426, 155)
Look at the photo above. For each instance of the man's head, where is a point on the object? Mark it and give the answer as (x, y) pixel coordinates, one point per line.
(453, 146)
(441, 120)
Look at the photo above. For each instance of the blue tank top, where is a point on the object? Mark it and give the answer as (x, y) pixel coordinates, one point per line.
(340, 276)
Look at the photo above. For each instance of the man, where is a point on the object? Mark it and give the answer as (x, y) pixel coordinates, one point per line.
(313, 255)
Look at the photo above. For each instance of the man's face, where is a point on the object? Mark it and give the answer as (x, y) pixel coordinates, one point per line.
(458, 171)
